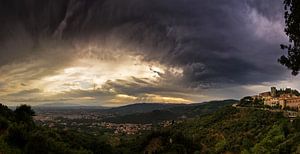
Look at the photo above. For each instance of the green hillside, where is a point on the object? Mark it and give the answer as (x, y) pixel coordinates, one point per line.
(154, 116)
(140, 108)
(228, 130)
(171, 113)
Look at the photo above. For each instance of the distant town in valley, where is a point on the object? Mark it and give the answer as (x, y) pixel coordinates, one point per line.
(126, 120)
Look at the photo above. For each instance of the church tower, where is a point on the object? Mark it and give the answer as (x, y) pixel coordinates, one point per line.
(273, 91)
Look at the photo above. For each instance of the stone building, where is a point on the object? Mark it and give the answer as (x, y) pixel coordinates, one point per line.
(284, 100)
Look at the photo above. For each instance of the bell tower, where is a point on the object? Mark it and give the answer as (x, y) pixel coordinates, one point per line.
(273, 91)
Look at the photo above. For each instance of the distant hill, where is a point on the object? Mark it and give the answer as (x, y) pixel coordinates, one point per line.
(141, 108)
(143, 118)
(167, 112)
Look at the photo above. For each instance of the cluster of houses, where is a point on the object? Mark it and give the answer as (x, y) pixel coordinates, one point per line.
(286, 99)
(127, 128)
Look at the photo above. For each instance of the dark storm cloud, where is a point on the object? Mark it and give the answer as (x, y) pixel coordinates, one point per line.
(138, 87)
(215, 42)
(268, 8)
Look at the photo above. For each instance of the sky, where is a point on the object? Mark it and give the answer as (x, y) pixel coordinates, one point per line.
(117, 52)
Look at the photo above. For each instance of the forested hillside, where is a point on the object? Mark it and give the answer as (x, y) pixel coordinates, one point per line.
(173, 112)
(228, 130)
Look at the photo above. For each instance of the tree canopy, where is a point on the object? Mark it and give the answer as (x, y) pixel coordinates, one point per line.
(292, 30)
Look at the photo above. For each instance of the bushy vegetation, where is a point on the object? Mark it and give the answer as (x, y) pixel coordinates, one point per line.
(248, 101)
(229, 130)
(19, 134)
(287, 91)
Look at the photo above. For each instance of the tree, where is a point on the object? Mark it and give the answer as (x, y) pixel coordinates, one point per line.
(5, 112)
(3, 124)
(24, 113)
(296, 123)
(17, 135)
(292, 30)
(246, 101)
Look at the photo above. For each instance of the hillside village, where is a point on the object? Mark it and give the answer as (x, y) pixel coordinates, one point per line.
(281, 99)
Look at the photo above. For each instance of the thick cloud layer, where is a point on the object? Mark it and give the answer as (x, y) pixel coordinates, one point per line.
(216, 43)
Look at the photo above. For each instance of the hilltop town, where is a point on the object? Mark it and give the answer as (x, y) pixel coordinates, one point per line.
(281, 99)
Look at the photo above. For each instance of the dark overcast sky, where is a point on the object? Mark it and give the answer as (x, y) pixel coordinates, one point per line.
(113, 52)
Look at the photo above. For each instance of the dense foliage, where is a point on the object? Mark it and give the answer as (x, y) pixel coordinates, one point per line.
(19, 134)
(229, 130)
(292, 30)
(248, 101)
(287, 91)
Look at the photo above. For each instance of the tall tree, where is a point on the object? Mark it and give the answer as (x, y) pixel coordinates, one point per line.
(292, 30)
(24, 113)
